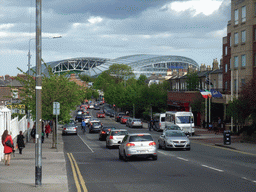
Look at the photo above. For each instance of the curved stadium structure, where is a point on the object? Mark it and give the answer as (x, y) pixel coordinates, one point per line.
(141, 64)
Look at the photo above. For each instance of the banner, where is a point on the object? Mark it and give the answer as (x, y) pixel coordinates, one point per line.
(216, 93)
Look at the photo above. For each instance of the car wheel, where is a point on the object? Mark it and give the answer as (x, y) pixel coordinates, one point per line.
(120, 156)
(188, 149)
(159, 146)
(154, 158)
(100, 139)
(125, 157)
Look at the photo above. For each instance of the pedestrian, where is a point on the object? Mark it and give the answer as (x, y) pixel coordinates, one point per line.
(47, 129)
(51, 124)
(219, 126)
(20, 142)
(33, 133)
(8, 147)
(151, 123)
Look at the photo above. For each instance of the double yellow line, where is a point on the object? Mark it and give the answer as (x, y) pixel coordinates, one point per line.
(77, 174)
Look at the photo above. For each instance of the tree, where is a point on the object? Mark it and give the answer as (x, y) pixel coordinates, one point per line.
(120, 71)
(192, 81)
(55, 88)
(86, 78)
(142, 80)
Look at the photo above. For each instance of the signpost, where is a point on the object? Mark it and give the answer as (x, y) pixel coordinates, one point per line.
(56, 111)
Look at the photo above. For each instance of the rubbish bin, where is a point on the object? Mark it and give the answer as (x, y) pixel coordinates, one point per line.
(227, 137)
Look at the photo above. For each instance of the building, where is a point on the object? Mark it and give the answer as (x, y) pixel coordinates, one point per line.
(239, 46)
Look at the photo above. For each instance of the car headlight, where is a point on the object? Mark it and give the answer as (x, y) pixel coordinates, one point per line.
(169, 141)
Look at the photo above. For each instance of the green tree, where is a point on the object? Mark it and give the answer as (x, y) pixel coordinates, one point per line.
(120, 71)
(192, 81)
(86, 78)
(55, 88)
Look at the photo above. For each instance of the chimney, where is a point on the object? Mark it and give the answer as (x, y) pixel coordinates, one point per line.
(215, 64)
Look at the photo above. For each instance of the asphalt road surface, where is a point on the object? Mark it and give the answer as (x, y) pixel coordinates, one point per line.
(92, 167)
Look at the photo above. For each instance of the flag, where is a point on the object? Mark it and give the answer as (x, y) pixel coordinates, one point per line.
(204, 94)
(209, 93)
(216, 93)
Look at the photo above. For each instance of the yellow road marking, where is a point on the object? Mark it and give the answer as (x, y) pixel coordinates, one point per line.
(228, 149)
(74, 174)
(79, 174)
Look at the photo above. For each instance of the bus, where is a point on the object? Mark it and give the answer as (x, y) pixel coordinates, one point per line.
(184, 119)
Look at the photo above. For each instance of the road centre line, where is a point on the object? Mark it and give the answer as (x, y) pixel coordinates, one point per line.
(212, 168)
(74, 174)
(86, 144)
(182, 159)
(248, 179)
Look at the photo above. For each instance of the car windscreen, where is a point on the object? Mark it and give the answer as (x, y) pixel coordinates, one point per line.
(115, 133)
(184, 119)
(163, 119)
(136, 120)
(125, 117)
(173, 128)
(108, 128)
(174, 134)
(96, 123)
(138, 138)
(100, 112)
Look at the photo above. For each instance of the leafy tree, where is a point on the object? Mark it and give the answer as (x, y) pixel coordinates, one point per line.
(55, 88)
(142, 80)
(192, 81)
(86, 78)
(120, 71)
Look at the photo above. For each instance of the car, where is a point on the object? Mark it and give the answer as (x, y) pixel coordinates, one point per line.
(129, 120)
(100, 114)
(112, 113)
(124, 119)
(96, 107)
(87, 118)
(104, 132)
(94, 126)
(174, 139)
(170, 126)
(69, 128)
(135, 123)
(138, 145)
(115, 137)
(79, 118)
(119, 116)
(91, 106)
(79, 112)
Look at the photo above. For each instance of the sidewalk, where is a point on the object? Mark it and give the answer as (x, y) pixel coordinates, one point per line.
(20, 175)
(209, 137)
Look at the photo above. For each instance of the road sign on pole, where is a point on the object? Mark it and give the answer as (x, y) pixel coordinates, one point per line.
(56, 108)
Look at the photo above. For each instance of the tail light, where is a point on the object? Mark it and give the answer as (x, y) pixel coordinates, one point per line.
(132, 122)
(159, 124)
(103, 132)
(64, 128)
(111, 137)
(75, 127)
(130, 145)
(152, 144)
(141, 122)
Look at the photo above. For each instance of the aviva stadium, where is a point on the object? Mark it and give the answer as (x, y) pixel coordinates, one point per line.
(145, 64)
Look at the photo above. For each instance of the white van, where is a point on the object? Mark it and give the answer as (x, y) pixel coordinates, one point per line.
(184, 119)
(159, 121)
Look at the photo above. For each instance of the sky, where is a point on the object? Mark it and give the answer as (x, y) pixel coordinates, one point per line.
(111, 29)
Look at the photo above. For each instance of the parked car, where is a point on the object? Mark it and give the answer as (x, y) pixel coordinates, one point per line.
(174, 139)
(119, 116)
(94, 126)
(115, 137)
(100, 114)
(137, 145)
(136, 123)
(104, 132)
(124, 119)
(70, 128)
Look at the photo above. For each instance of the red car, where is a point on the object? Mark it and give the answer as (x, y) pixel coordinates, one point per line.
(100, 114)
(124, 119)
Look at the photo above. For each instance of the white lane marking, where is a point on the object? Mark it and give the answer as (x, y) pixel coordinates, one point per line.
(86, 144)
(182, 159)
(213, 168)
(248, 179)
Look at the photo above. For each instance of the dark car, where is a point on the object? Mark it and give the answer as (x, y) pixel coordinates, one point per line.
(119, 116)
(79, 118)
(104, 132)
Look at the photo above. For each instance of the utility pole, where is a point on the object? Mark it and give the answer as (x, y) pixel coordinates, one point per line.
(38, 145)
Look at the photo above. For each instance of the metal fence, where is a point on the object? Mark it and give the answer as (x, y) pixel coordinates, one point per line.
(14, 126)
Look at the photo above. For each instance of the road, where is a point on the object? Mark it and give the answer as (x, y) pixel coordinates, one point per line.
(93, 167)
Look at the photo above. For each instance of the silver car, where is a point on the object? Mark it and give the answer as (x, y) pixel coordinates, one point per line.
(174, 139)
(70, 128)
(172, 127)
(135, 123)
(137, 145)
(115, 137)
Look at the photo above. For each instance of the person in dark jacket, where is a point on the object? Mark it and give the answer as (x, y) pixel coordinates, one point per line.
(33, 133)
(20, 142)
(7, 149)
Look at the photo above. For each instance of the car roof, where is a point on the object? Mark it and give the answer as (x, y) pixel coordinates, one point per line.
(120, 130)
(135, 134)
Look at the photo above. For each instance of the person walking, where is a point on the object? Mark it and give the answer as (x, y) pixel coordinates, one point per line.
(47, 129)
(20, 142)
(33, 133)
(8, 147)
(219, 126)
(151, 123)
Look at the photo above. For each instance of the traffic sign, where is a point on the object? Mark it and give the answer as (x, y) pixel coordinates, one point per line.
(56, 108)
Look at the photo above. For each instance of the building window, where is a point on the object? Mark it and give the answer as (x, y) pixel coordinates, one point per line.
(254, 59)
(236, 61)
(243, 58)
(235, 85)
(236, 38)
(226, 68)
(243, 13)
(243, 36)
(243, 82)
(226, 50)
(226, 85)
(236, 17)
(220, 81)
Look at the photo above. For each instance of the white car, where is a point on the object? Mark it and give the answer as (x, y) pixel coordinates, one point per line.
(115, 137)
